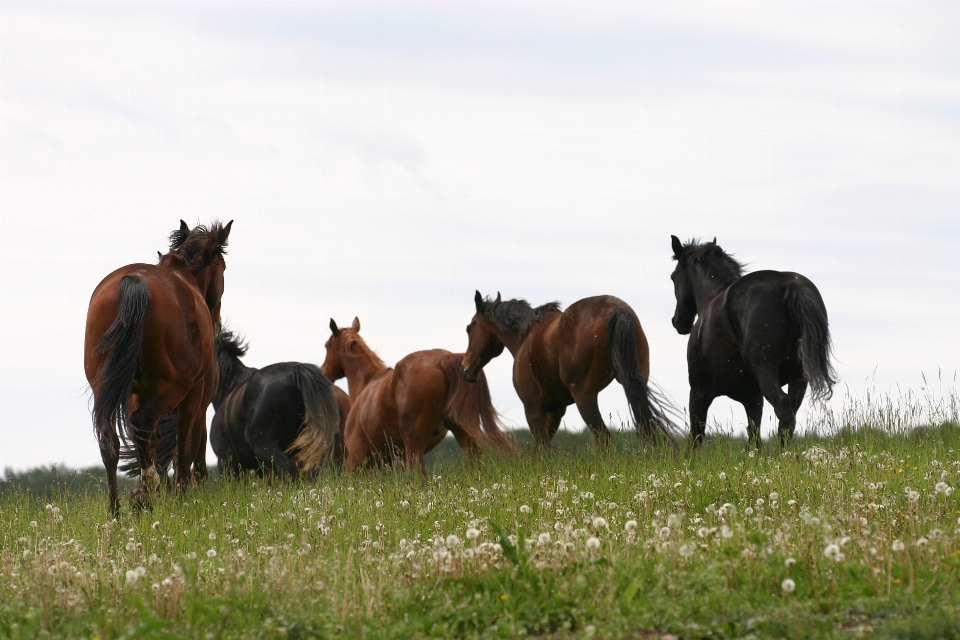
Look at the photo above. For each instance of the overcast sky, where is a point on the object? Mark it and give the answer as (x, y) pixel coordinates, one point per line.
(386, 159)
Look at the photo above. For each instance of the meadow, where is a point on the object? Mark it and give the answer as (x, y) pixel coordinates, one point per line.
(854, 532)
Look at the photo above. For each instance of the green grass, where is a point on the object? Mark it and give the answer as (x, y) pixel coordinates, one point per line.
(371, 555)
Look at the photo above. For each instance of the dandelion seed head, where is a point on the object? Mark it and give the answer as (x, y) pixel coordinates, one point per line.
(898, 545)
(630, 525)
(473, 534)
(593, 543)
(524, 508)
(211, 553)
(599, 523)
(788, 585)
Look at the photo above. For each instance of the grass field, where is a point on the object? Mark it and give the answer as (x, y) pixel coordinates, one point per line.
(851, 534)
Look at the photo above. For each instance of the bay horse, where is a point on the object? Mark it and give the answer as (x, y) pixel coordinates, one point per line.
(148, 350)
(411, 407)
(568, 357)
(753, 334)
(283, 418)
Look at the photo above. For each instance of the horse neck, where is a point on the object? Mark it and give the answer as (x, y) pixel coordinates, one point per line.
(360, 368)
(706, 287)
(236, 375)
(512, 341)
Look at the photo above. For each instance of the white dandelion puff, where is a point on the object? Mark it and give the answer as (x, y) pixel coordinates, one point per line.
(593, 543)
(788, 585)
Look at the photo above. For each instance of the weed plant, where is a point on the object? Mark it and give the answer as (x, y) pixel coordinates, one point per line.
(852, 533)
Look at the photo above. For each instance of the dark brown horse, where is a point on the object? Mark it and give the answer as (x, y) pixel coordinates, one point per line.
(283, 418)
(148, 350)
(753, 334)
(409, 408)
(563, 358)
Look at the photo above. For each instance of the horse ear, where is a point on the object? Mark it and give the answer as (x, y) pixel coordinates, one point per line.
(184, 228)
(714, 240)
(225, 233)
(677, 247)
(356, 324)
(498, 298)
(333, 327)
(159, 256)
(478, 299)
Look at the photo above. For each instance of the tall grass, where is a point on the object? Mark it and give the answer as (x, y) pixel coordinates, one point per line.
(849, 533)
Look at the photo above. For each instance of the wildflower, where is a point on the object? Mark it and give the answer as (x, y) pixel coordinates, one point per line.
(404, 503)
(789, 562)
(631, 525)
(844, 541)
(33, 523)
(898, 545)
(599, 523)
(524, 508)
(211, 553)
(686, 550)
(593, 543)
(543, 539)
(940, 487)
(155, 525)
(748, 511)
(792, 503)
(673, 521)
(472, 534)
(832, 551)
(453, 540)
(788, 585)
(759, 502)
(702, 532)
(774, 495)
(665, 532)
(753, 453)
(132, 576)
(726, 531)
(723, 476)
(921, 542)
(590, 630)
(212, 536)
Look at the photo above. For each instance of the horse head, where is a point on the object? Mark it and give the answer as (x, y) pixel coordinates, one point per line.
(686, 312)
(201, 251)
(340, 342)
(483, 342)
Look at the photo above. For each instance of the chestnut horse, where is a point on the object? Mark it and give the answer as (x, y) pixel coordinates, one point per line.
(411, 407)
(567, 357)
(148, 350)
(753, 334)
(283, 418)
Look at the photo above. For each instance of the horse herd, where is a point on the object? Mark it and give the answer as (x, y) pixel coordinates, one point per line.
(156, 356)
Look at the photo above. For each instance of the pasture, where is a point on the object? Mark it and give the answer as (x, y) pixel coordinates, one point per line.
(850, 534)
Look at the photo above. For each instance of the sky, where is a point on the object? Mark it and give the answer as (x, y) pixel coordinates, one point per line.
(387, 159)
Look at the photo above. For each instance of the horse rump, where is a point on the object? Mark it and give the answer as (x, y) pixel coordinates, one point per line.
(469, 403)
(646, 404)
(809, 315)
(122, 342)
(321, 422)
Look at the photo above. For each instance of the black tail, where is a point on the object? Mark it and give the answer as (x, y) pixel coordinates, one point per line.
(130, 463)
(809, 315)
(321, 422)
(122, 344)
(647, 413)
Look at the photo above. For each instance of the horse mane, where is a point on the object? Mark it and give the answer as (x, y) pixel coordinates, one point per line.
(199, 247)
(230, 348)
(710, 258)
(352, 337)
(516, 316)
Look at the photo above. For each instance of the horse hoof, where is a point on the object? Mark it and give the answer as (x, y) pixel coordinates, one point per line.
(140, 500)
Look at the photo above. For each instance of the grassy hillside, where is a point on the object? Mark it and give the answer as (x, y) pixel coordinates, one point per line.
(855, 534)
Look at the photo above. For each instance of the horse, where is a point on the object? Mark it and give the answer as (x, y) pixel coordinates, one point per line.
(148, 350)
(283, 418)
(753, 334)
(568, 357)
(410, 408)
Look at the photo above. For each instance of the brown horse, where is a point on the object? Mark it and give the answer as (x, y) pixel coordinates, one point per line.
(148, 350)
(409, 408)
(562, 358)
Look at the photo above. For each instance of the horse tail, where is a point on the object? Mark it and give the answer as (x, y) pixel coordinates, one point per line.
(809, 315)
(321, 417)
(122, 343)
(130, 463)
(469, 405)
(645, 403)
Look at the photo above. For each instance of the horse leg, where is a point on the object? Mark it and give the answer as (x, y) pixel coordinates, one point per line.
(796, 391)
(590, 412)
(110, 453)
(754, 408)
(190, 414)
(543, 424)
(700, 402)
(769, 381)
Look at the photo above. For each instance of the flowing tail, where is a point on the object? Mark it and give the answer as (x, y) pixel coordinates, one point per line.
(130, 463)
(469, 404)
(809, 314)
(122, 343)
(321, 422)
(645, 404)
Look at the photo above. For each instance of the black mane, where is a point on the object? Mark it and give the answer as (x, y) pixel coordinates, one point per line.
(710, 258)
(516, 316)
(194, 246)
(230, 348)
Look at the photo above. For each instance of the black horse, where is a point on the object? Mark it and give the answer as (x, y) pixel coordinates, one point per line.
(284, 418)
(753, 334)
